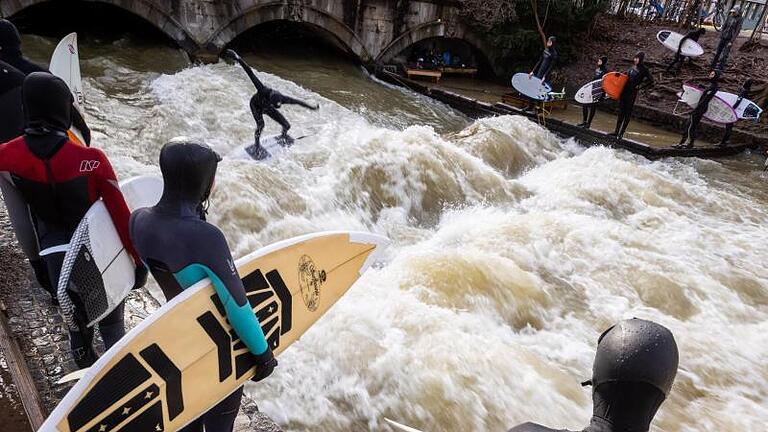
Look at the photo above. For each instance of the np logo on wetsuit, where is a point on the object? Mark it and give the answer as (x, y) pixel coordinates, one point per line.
(310, 281)
(89, 165)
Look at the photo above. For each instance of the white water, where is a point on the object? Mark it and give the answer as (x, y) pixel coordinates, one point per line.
(512, 251)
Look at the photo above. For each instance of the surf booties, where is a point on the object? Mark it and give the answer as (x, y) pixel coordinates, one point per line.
(635, 365)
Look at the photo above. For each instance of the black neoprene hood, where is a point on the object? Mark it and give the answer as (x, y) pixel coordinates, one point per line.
(47, 102)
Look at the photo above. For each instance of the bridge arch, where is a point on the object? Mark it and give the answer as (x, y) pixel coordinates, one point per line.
(145, 9)
(429, 30)
(301, 14)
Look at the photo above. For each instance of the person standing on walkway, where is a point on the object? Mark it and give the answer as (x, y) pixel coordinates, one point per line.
(745, 89)
(588, 110)
(10, 52)
(639, 78)
(59, 181)
(679, 59)
(689, 133)
(728, 35)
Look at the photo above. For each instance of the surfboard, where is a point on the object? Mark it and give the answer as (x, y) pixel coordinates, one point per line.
(399, 426)
(590, 92)
(65, 64)
(271, 146)
(746, 110)
(97, 268)
(671, 41)
(613, 84)
(185, 357)
(531, 86)
(718, 111)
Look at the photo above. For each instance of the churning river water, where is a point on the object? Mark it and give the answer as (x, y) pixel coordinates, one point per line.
(512, 248)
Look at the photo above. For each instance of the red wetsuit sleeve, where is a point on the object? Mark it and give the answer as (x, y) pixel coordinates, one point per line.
(109, 190)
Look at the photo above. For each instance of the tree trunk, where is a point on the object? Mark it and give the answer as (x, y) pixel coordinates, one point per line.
(539, 27)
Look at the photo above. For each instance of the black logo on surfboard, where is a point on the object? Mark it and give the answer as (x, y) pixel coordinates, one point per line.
(310, 280)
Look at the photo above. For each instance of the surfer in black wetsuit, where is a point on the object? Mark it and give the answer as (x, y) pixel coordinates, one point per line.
(689, 133)
(743, 94)
(588, 110)
(639, 78)
(635, 366)
(199, 250)
(266, 101)
(728, 35)
(10, 52)
(679, 59)
(546, 61)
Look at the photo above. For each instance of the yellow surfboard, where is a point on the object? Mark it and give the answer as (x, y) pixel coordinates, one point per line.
(184, 358)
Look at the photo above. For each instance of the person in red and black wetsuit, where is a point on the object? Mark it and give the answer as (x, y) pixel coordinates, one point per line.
(10, 52)
(59, 180)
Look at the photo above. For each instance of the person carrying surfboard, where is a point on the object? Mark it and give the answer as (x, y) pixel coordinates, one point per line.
(181, 248)
(746, 88)
(59, 180)
(679, 59)
(728, 35)
(639, 78)
(635, 366)
(588, 110)
(10, 52)
(689, 132)
(266, 101)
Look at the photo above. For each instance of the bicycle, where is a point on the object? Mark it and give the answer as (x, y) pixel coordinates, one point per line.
(718, 15)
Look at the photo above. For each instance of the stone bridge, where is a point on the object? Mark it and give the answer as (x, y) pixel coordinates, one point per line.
(373, 31)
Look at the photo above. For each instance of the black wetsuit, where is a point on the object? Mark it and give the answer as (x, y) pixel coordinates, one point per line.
(546, 62)
(635, 366)
(639, 75)
(745, 89)
(588, 110)
(728, 35)
(689, 133)
(11, 113)
(10, 52)
(199, 250)
(266, 101)
(679, 59)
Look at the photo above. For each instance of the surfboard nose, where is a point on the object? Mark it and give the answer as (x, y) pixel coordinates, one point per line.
(379, 243)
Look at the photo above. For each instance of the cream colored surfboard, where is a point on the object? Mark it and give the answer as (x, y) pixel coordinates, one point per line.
(185, 357)
(399, 426)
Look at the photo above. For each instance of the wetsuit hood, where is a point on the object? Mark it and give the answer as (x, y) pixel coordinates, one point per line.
(604, 59)
(47, 113)
(10, 40)
(641, 56)
(635, 366)
(189, 170)
(10, 77)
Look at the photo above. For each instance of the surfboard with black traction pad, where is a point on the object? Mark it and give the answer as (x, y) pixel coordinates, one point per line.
(185, 358)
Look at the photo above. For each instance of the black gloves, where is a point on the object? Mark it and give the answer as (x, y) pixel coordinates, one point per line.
(140, 276)
(265, 364)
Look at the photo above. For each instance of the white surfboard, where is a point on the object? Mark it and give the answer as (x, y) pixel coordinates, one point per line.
(185, 357)
(96, 266)
(400, 427)
(590, 92)
(65, 64)
(671, 41)
(719, 111)
(746, 110)
(272, 145)
(531, 86)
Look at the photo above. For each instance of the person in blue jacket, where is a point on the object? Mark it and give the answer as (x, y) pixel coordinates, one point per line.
(181, 248)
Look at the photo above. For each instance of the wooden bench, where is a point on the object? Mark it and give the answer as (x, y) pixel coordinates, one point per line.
(460, 71)
(424, 73)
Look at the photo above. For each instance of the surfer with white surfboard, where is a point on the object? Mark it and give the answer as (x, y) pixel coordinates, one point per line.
(633, 372)
(680, 57)
(181, 249)
(58, 181)
(266, 101)
(588, 110)
(742, 99)
(10, 52)
(689, 132)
